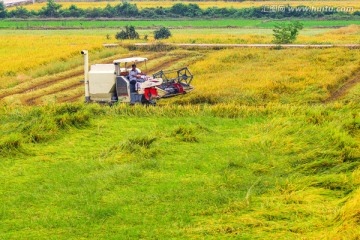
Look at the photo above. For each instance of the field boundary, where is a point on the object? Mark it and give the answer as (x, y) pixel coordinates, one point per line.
(181, 23)
(205, 45)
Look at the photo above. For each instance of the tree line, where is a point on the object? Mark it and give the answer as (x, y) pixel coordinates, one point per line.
(179, 10)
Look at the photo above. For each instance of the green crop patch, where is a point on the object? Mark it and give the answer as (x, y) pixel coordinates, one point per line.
(195, 175)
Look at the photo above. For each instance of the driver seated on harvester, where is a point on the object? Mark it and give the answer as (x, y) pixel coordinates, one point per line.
(135, 74)
(135, 77)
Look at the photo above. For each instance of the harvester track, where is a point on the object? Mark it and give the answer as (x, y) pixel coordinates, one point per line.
(46, 84)
(40, 85)
(32, 101)
(73, 98)
(342, 91)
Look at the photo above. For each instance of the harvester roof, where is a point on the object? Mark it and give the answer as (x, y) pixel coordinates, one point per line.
(131, 60)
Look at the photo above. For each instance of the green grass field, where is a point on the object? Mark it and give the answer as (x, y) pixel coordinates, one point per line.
(167, 23)
(182, 172)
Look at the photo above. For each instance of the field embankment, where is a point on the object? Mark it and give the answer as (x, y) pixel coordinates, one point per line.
(174, 23)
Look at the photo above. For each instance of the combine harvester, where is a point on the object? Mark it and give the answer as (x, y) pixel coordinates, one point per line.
(110, 83)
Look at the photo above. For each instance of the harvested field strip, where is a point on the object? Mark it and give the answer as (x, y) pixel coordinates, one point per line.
(44, 82)
(69, 84)
(75, 92)
(74, 98)
(38, 83)
(48, 83)
(71, 95)
(56, 87)
(35, 100)
(50, 90)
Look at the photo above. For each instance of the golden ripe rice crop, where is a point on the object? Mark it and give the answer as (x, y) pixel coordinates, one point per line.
(260, 76)
(349, 35)
(245, 4)
(22, 53)
(35, 62)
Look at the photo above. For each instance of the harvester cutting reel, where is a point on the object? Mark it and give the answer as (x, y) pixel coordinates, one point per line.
(175, 82)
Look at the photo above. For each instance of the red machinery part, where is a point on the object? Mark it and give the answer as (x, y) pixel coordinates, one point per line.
(179, 87)
(150, 93)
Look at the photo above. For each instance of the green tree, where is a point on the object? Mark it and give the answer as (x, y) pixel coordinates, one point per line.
(128, 33)
(286, 33)
(179, 9)
(73, 11)
(126, 10)
(162, 33)
(52, 9)
(2, 10)
(21, 12)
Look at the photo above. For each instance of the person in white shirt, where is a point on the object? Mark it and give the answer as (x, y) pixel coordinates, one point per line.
(134, 74)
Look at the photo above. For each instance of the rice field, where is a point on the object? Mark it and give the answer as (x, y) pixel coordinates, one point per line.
(252, 36)
(24, 50)
(266, 147)
(57, 50)
(206, 4)
(55, 71)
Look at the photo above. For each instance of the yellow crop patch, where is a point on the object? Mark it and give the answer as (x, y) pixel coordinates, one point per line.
(207, 4)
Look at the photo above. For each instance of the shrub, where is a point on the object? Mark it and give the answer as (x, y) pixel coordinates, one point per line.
(129, 33)
(162, 33)
(20, 12)
(52, 9)
(73, 11)
(126, 10)
(2, 10)
(286, 33)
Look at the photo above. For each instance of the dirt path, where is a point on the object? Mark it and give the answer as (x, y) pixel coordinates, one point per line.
(342, 91)
(258, 45)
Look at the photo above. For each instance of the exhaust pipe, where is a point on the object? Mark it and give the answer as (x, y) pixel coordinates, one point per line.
(86, 74)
